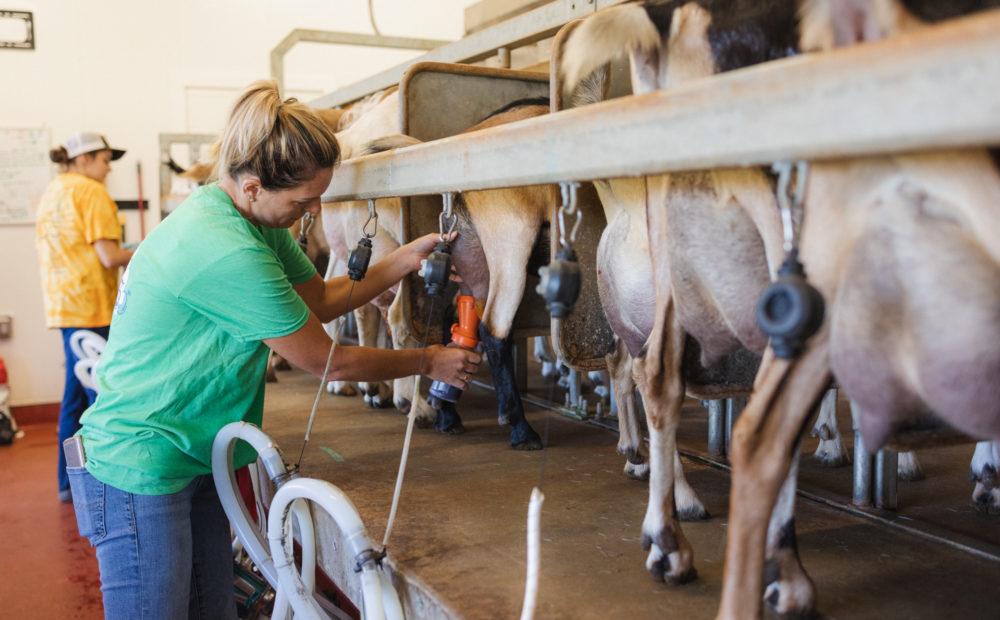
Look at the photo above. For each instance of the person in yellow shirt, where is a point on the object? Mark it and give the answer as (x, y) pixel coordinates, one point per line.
(79, 250)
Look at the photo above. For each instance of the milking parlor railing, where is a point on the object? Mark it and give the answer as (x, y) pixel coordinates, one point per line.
(935, 88)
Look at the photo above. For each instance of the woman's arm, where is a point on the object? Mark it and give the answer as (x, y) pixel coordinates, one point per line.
(111, 254)
(309, 347)
(329, 299)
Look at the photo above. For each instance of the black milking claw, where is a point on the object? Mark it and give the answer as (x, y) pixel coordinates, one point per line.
(790, 310)
(357, 262)
(560, 283)
(436, 268)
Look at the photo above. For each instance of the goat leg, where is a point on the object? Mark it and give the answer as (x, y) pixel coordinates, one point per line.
(764, 437)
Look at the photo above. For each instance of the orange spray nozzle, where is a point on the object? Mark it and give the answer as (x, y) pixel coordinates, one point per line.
(463, 333)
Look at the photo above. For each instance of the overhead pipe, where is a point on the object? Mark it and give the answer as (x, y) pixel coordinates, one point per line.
(304, 35)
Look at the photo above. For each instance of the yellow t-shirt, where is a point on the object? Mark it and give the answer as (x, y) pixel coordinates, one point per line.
(74, 212)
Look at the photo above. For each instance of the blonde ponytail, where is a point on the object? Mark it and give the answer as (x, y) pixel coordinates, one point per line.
(283, 143)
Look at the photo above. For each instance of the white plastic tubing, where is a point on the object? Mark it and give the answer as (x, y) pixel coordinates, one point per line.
(278, 567)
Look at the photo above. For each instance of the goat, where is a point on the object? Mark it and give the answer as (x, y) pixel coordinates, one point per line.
(489, 260)
(498, 230)
(903, 248)
(690, 252)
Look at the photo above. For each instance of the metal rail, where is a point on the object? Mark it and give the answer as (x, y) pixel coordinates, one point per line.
(524, 29)
(931, 89)
(913, 527)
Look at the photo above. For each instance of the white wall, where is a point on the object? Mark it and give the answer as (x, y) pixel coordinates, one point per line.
(133, 69)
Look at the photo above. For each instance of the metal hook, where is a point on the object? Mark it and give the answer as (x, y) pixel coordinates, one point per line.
(372, 217)
(307, 223)
(445, 215)
(568, 205)
(568, 190)
(791, 210)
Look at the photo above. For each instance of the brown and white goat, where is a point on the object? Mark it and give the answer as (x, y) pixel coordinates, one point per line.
(369, 126)
(905, 250)
(498, 231)
(490, 261)
(684, 255)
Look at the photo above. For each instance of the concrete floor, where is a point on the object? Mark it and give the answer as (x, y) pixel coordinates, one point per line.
(459, 537)
(46, 569)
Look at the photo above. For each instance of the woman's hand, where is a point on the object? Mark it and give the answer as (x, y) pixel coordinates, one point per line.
(453, 365)
(421, 247)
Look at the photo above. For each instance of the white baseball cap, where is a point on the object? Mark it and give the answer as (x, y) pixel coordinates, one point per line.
(87, 142)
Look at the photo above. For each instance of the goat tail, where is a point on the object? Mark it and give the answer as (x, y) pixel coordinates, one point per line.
(386, 143)
(603, 37)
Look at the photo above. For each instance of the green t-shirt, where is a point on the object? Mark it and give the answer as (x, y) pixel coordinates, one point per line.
(185, 356)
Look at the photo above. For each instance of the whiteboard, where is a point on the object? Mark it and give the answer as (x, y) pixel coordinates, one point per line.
(25, 171)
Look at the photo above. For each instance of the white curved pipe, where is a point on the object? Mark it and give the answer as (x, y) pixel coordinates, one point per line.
(390, 599)
(225, 484)
(307, 537)
(307, 540)
(87, 347)
(377, 600)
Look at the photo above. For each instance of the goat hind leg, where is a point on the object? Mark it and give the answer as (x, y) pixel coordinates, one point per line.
(830, 451)
(369, 320)
(687, 504)
(510, 409)
(658, 375)
(763, 438)
(630, 443)
(789, 592)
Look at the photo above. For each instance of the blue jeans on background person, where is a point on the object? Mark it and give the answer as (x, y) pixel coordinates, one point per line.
(76, 399)
(160, 556)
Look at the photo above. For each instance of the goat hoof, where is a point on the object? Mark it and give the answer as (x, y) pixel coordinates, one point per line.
(771, 596)
(833, 460)
(376, 401)
(987, 500)
(659, 566)
(523, 437)
(340, 388)
(420, 422)
(280, 363)
(696, 512)
(910, 475)
(403, 405)
(637, 471)
(448, 423)
(527, 445)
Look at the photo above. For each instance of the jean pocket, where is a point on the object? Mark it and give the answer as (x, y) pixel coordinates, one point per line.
(88, 503)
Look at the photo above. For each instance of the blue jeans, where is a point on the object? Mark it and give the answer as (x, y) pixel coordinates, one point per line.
(76, 398)
(160, 556)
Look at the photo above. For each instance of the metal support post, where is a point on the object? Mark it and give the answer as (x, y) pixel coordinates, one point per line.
(886, 462)
(863, 465)
(717, 439)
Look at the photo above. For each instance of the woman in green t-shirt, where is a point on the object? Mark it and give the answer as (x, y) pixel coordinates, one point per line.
(207, 293)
